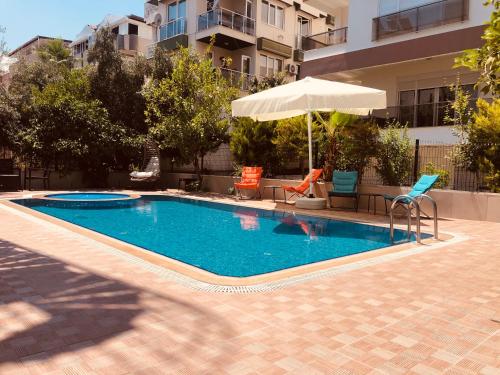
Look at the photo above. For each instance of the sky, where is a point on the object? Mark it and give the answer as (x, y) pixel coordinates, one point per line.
(24, 19)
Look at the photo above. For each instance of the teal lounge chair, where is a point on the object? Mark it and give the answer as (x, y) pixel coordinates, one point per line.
(423, 185)
(345, 185)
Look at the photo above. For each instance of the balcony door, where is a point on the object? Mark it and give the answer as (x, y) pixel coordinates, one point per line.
(246, 62)
(176, 15)
(303, 30)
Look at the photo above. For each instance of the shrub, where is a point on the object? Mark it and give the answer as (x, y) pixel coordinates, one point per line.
(251, 144)
(348, 143)
(444, 176)
(480, 152)
(394, 157)
(292, 141)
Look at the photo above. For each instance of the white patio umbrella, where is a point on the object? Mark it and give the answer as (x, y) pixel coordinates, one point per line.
(306, 96)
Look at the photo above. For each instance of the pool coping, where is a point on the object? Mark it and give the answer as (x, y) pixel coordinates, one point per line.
(205, 280)
(47, 197)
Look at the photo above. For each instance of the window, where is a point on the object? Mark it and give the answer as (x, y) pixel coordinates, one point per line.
(176, 10)
(270, 65)
(273, 14)
(429, 106)
(133, 29)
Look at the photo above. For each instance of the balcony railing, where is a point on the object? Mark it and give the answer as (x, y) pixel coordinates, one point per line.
(237, 79)
(329, 38)
(226, 18)
(173, 28)
(420, 115)
(420, 18)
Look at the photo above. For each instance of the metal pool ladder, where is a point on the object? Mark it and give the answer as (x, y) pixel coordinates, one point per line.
(415, 204)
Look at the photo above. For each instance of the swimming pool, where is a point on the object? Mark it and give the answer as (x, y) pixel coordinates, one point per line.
(226, 240)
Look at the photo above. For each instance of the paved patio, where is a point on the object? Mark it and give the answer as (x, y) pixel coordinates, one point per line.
(68, 306)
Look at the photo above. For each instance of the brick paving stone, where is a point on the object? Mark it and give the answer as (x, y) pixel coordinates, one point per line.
(69, 307)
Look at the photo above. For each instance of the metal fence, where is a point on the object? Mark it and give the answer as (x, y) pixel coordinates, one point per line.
(432, 157)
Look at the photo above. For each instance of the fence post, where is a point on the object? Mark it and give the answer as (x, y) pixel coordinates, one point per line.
(415, 161)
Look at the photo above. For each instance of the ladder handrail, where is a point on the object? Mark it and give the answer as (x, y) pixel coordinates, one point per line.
(435, 213)
(417, 210)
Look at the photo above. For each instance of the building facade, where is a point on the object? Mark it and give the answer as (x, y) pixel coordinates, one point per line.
(252, 37)
(132, 35)
(406, 47)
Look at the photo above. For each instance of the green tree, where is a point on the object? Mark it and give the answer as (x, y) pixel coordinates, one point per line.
(347, 143)
(9, 118)
(252, 144)
(481, 150)
(55, 50)
(486, 59)
(3, 43)
(292, 141)
(69, 128)
(394, 157)
(117, 84)
(190, 110)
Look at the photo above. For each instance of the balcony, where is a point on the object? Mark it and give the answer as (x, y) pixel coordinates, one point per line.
(418, 116)
(329, 38)
(232, 30)
(420, 18)
(237, 79)
(172, 35)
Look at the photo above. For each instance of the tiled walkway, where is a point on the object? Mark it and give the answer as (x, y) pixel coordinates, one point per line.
(69, 307)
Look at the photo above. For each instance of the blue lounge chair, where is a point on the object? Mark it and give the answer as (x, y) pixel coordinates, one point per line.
(423, 185)
(345, 185)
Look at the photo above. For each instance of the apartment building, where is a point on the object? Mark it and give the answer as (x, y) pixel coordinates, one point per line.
(133, 37)
(406, 47)
(26, 52)
(252, 37)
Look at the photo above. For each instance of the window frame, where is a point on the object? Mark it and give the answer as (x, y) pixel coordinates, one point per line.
(266, 14)
(273, 65)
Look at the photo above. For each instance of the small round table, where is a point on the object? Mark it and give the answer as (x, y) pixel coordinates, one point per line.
(274, 187)
(370, 195)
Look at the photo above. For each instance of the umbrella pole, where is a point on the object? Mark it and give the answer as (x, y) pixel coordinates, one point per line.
(309, 135)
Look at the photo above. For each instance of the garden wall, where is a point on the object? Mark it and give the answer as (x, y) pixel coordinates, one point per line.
(451, 203)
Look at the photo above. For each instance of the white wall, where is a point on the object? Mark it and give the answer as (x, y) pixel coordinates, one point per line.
(360, 20)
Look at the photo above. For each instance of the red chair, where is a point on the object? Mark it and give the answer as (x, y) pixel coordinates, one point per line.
(304, 186)
(250, 180)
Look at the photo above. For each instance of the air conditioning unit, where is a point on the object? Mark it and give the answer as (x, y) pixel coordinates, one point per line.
(292, 69)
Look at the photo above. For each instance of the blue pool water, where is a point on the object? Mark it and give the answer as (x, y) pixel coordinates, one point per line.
(87, 196)
(223, 239)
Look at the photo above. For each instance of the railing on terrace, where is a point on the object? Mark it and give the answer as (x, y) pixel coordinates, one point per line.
(329, 38)
(237, 79)
(173, 28)
(226, 18)
(420, 18)
(420, 115)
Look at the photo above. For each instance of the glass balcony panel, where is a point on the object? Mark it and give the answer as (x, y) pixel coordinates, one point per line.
(421, 17)
(226, 18)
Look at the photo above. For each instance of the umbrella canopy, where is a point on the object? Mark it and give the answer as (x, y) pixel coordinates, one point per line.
(308, 95)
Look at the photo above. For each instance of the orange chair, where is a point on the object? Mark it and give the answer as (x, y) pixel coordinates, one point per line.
(250, 180)
(304, 186)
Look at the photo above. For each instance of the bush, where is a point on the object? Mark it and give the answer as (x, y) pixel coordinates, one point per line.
(394, 157)
(444, 176)
(348, 143)
(252, 144)
(481, 150)
(292, 142)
